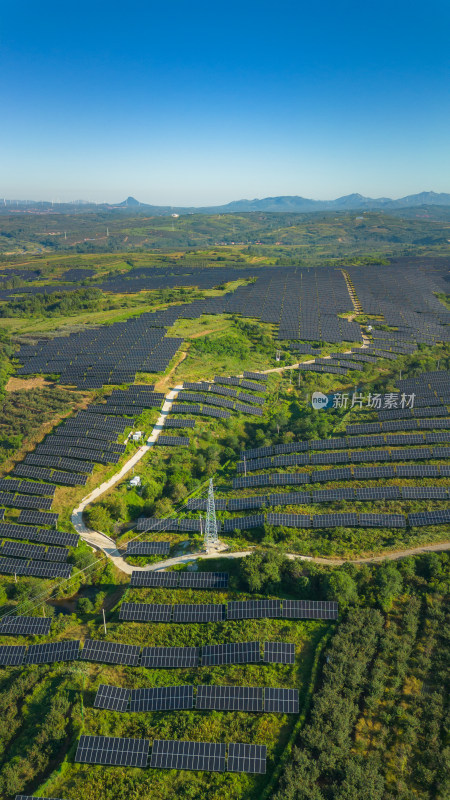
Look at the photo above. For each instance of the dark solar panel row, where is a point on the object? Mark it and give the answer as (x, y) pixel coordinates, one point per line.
(33, 534)
(180, 580)
(171, 754)
(206, 697)
(217, 612)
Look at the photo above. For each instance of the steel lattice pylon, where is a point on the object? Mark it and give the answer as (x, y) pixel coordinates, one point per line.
(211, 537)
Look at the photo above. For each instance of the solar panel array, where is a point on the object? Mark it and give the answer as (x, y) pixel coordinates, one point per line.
(51, 652)
(24, 626)
(217, 612)
(38, 569)
(110, 652)
(172, 754)
(150, 657)
(230, 698)
(147, 548)
(43, 535)
(112, 751)
(344, 442)
(181, 580)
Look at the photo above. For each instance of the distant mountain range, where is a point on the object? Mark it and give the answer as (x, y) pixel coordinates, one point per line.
(281, 204)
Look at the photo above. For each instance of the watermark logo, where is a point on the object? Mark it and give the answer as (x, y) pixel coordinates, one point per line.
(359, 400)
(319, 400)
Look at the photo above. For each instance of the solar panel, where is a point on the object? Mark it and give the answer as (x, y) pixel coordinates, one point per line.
(243, 523)
(335, 520)
(52, 651)
(13, 566)
(162, 698)
(253, 609)
(377, 493)
(281, 701)
(147, 548)
(22, 550)
(161, 578)
(150, 578)
(25, 626)
(329, 495)
(257, 376)
(243, 503)
(112, 750)
(112, 698)
(38, 518)
(145, 612)
(42, 569)
(192, 612)
(203, 580)
(12, 655)
(289, 498)
(417, 471)
(436, 517)
(424, 492)
(250, 758)
(279, 653)
(170, 657)
(231, 653)
(310, 609)
(229, 698)
(289, 520)
(29, 797)
(110, 652)
(171, 754)
(382, 520)
(342, 474)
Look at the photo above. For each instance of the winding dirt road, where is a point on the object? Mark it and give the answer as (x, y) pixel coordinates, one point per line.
(100, 541)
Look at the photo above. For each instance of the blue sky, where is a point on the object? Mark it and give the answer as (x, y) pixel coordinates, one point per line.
(202, 102)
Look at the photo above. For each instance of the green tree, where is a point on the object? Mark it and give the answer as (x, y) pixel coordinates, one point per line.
(100, 519)
(343, 588)
(389, 585)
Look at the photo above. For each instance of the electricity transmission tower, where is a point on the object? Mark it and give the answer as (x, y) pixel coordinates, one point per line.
(211, 537)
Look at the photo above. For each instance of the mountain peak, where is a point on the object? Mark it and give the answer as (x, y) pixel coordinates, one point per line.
(130, 201)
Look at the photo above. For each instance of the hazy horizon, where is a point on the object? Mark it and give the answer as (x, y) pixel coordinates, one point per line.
(141, 201)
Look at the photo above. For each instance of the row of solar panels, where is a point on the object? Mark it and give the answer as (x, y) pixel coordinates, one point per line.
(206, 393)
(344, 457)
(352, 519)
(34, 569)
(151, 657)
(358, 494)
(202, 697)
(343, 442)
(344, 474)
(205, 410)
(245, 384)
(180, 580)
(22, 550)
(399, 425)
(40, 535)
(172, 754)
(234, 610)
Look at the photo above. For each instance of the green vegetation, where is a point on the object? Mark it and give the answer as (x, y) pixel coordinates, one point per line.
(24, 414)
(372, 720)
(314, 237)
(377, 727)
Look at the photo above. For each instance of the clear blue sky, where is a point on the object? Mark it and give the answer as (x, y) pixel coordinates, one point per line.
(204, 102)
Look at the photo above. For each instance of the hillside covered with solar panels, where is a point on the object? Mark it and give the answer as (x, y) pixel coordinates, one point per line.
(225, 511)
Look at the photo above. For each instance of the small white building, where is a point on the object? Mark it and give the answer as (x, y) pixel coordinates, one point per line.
(136, 436)
(136, 481)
